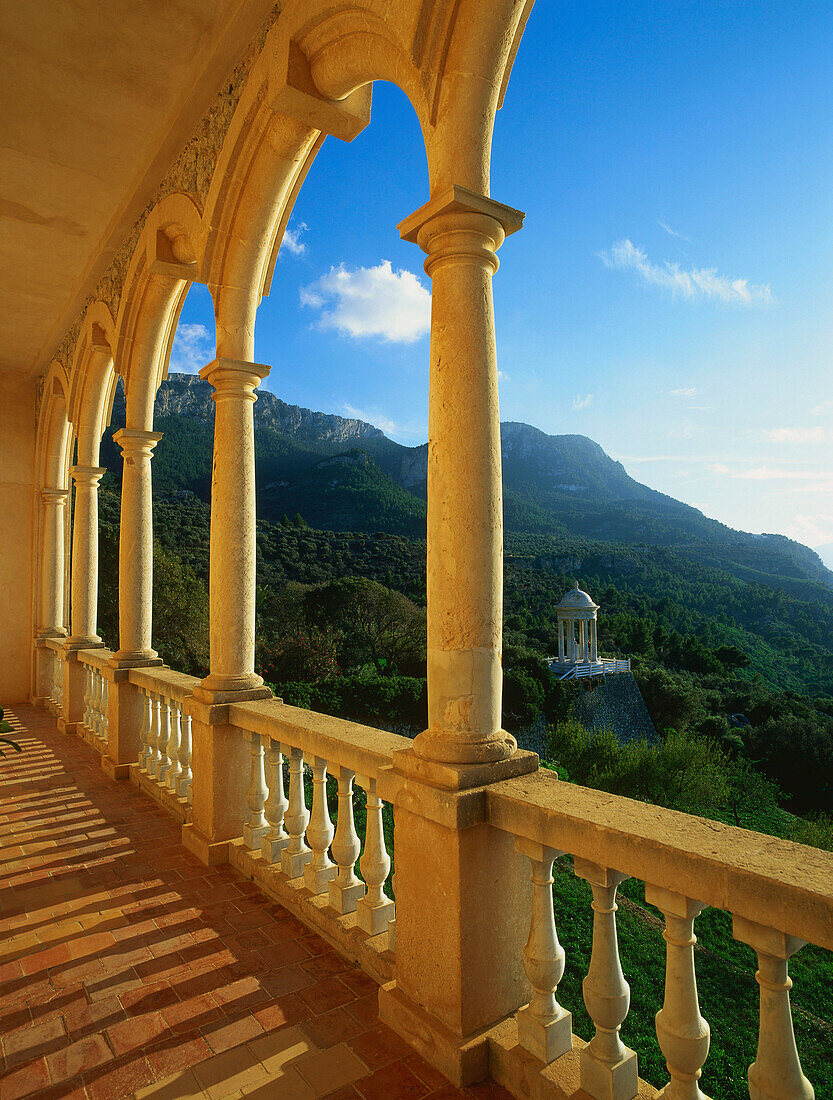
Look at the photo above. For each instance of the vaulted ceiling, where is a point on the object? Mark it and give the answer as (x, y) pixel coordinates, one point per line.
(96, 101)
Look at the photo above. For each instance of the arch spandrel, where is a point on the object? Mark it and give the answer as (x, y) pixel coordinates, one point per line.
(167, 259)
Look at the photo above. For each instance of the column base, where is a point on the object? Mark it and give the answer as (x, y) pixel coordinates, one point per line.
(460, 776)
(218, 697)
(616, 1081)
(115, 771)
(211, 853)
(253, 837)
(317, 879)
(547, 1041)
(75, 643)
(464, 1061)
(448, 747)
(215, 689)
(135, 660)
(69, 728)
(345, 898)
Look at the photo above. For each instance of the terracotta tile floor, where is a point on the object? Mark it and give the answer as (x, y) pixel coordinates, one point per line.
(129, 969)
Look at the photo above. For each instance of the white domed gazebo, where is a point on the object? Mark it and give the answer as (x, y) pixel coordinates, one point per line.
(578, 640)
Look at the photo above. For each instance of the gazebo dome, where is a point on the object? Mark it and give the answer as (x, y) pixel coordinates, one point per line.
(577, 600)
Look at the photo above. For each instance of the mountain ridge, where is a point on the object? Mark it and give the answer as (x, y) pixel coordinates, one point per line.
(345, 474)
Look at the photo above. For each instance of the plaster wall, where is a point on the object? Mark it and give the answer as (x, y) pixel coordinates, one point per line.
(17, 523)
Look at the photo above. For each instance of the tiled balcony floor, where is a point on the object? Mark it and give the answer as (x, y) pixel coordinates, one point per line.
(127, 968)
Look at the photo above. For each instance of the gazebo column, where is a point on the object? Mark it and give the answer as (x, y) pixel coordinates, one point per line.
(83, 592)
(443, 1008)
(561, 650)
(594, 640)
(220, 756)
(51, 586)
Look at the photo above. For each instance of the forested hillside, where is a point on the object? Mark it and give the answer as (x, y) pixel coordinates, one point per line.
(731, 635)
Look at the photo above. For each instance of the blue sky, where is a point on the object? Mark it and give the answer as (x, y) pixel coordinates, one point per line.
(671, 293)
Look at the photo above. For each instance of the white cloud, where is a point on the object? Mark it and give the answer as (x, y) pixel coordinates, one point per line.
(822, 409)
(582, 401)
(292, 239)
(369, 416)
(686, 391)
(371, 301)
(671, 232)
(768, 473)
(813, 530)
(695, 283)
(193, 348)
(796, 435)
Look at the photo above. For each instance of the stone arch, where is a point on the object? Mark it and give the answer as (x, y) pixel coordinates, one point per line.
(167, 259)
(55, 439)
(277, 130)
(55, 432)
(93, 381)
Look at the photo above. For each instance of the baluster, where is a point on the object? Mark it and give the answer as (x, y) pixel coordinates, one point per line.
(608, 1067)
(296, 855)
(392, 921)
(164, 736)
(144, 729)
(375, 909)
(96, 702)
(175, 770)
(276, 806)
(545, 1029)
(682, 1032)
(105, 700)
(155, 726)
(255, 827)
(320, 868)
(347, 888)
(776, 1072)
(183, 780)
(88, 695)
(59, 684)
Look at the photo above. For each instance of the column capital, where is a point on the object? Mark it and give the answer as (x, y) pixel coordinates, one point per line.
(87, 475)
(459, 208)
(54, 496)
(234, 377)
(135, 442)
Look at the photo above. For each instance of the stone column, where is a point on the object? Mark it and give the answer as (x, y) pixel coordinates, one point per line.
(475, 885)
(561, 652)
(83, 593)
(51, 609)
(136, 549)
(220, 753)
(52, 565)
(461, 232)
(233, 548)
(594, 640)
(84, 605)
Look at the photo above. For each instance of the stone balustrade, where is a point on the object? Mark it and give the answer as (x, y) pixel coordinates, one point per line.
(306, 768)
(95, 722)
(164, 765)
(780, 896)
(301, 762)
